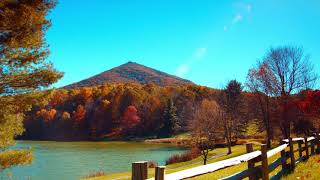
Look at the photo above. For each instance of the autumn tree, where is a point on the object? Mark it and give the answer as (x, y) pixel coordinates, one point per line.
(259, 83)
(286, 70)
(310, 103)
(307, 107)
(130, 119)
(230, 100)
(79, 114)
(207, 127)
(23, 67)
(64, 125)
(150, 112)
(47, 115)
(23, 50)
(65, 116)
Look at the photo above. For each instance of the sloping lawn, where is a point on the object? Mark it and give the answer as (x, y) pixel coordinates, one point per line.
(304, 170)
(308, 170)
(237, 150)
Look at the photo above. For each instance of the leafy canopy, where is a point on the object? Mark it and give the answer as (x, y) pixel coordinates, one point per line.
(23, 68)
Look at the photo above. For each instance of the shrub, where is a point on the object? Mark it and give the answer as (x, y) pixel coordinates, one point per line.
(152, 164)
(187, 156)
(12, 158)
(95, 174)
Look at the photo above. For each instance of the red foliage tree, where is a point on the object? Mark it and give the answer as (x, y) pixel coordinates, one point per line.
(130, 118)
(311, 103)
(307, 111)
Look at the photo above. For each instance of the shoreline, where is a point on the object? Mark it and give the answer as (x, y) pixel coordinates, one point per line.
(172, 140)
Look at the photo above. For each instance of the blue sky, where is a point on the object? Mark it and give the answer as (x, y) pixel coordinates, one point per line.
(206, 41)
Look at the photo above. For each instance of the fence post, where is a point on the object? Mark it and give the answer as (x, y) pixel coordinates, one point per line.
(300, 148)
(140, 170)
(264, 162)
(293, 161)
(318, 143)
(306, 147)
(312, 146)
(251, 163)
(284, 162)
(160, 171)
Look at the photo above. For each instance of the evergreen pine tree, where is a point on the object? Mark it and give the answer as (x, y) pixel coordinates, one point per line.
(171, 124)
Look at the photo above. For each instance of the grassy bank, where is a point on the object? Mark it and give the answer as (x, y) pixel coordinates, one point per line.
(308, 170)
(304, 170)
(215, 155)
(180, 140)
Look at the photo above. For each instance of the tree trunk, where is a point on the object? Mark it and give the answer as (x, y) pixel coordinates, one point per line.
(268, 139)
(227, 134)
(229, 148)
(229, 142)
(285, 117)
(205, 161)
(205, 156)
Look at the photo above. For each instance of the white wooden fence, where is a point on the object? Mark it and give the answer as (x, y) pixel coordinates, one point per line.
(140, 169)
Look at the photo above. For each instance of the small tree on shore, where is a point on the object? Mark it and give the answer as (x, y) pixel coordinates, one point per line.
(230, 100)
(206, 128)
(259, 84)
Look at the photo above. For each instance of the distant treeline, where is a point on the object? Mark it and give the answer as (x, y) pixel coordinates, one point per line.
(115, 111)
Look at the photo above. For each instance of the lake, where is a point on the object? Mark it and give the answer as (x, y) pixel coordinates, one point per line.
(73, 160)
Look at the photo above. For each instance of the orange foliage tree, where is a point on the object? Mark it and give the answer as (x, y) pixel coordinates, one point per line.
(47, 115)
(65, 115)
(79, 114)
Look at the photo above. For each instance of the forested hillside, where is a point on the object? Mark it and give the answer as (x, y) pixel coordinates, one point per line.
(134, 110)
(115, 110)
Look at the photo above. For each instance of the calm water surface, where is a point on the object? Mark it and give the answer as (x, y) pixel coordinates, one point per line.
(73, 160)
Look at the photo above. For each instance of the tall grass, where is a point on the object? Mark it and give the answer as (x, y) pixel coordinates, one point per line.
(95, 174)
(187, 156)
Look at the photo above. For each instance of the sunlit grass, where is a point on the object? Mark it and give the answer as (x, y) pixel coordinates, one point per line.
(308, 170)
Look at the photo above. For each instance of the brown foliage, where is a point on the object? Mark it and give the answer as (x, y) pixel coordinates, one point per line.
(152, 164)
(207, 128)
(187, 156)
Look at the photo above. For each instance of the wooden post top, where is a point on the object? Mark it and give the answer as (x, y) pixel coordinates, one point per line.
(140, 162)
(161, 166)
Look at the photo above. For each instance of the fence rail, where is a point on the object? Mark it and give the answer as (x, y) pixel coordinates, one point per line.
(140, 169)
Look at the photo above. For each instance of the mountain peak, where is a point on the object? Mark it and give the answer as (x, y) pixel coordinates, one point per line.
(130, 62)
(131, 72)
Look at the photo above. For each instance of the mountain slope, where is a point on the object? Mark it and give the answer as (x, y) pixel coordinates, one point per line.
(131, 72)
